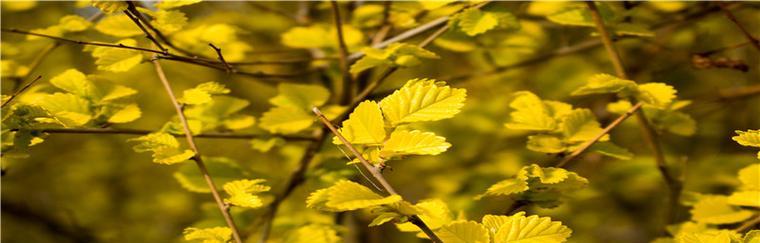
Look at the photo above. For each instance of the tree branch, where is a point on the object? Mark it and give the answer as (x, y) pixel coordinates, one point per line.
(748, 224)
(197, 157)
(348, 83)
(221, 58)
(144, 132)
(730, 16)
(375, 172)
(649, 133)
(19, 91)
(134, 19)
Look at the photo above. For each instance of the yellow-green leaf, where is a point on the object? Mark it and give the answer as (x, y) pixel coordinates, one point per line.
(118, 25)
(530, 113)
(745, 198)
(208, 235)
(242, 192)
(303, 96)
(75, 82)
(169, 4)
(117, 59)
(286, 120)
(463, 231)
(67, 109)
(605, 83)
(110, 7)
(716, 210)
(749, 138)
(546, 144)
(345, 195)
(313, 233)
(127, 114)
(364, 126)
(422, 100)
(473, 21)
(519, 228)
(580, 125)
(413, 142)
(750, 177)
(434, 212)
(73, 23)
(656, 94)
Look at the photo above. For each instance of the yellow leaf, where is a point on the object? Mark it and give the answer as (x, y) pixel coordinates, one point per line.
(656, 94)
(716, 210)
(422, 100)
(313, 233)
(303, 96)
(209, 235)
(118, 25)
(285, 120)
(474, 22)
(345, 195)
(605, 83)
(414, 142)
(519, 228)
(73, 23)
(750, 177)
(580, 125)
(75, 82)
(463, 232)
(434, 212)
(67, 109)
(364, 125)
(530, 113)
(745, 198)
(127, 114)
(110, 7)
(242, 192)
(117, 59)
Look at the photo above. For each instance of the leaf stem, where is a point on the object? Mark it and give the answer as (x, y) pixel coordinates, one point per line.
(649, 133)
(374, 171)
(197, 157)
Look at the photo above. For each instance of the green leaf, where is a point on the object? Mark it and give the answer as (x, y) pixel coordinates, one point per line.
(422, 100)
(612, 150)
(675, 122)
(303, 96)
(117, 59)
(573, 17)
(364, 126)
(413, 142)
(580, 125)
(519, 228)
(286, 120)
(209, 235)
(75, 82)
(345, 195)
(463, 231)
(165, 148)
(530, 113)
(242, 192)
(222, 169)
(716, 210)
(656, 94)
(473, 21)
(118, 25)
(605, 83)
(127, 114)
(546, 144)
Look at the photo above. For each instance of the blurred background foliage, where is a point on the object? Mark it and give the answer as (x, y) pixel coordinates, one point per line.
(94, 188)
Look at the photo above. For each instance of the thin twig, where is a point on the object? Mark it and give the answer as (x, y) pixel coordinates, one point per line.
(375, 172)
(126, 131)
(649, 133)
(17, 31)
(730, 16)
(748, 224)
(197, 157)
(21, 90)
(348, 83)
(605, 131)
(140, 25)
(221, 57)
(132, 8)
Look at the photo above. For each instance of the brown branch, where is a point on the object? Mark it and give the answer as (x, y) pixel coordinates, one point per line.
(17, 31)
(133, 9)
(348, 83)
(19, 91)
(375, 172)
(145, 132)
(137, 22)
(748, 224)
(649, 133)
(197, 157)
(221, 57)
(606, 130)
(730, 16)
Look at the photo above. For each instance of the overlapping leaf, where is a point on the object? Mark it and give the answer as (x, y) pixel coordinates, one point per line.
(422, 100)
